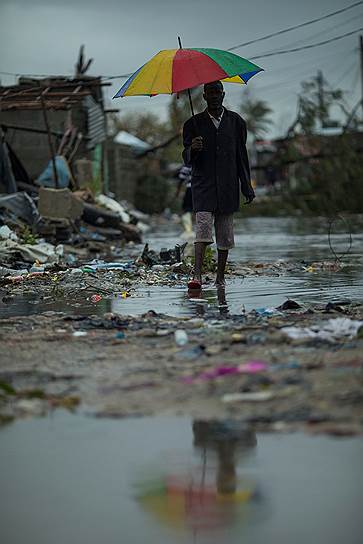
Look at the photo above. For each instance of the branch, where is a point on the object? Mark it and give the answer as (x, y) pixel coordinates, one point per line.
(159, 146)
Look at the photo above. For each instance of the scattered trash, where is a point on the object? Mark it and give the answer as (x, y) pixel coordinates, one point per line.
(42, 251)
(333, 306)
(291, 365)
(10, 272)
(166, 256)
(22, 206)
(266, 312)
(252, 367)
(220, 371)
(181, 337)
(96, 298)
(191, 354)
(37, 267)
(79, 333)
(238, 338)
(258, 396)
(46, 178)
(101, 265)
(113, 206)
(289, 305)
(334, 329)
(107, 322)
(172, 255)
(8, 234)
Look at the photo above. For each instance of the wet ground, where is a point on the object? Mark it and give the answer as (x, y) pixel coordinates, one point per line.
(76, 479)
(285, 248)
(121, 478)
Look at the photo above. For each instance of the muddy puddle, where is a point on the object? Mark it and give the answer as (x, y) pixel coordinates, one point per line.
(70, 478)
(257, 240)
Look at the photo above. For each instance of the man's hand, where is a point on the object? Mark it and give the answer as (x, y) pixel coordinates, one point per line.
(249, 198)
(197, 143)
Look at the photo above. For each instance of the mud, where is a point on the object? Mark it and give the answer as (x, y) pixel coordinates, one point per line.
(117, 366)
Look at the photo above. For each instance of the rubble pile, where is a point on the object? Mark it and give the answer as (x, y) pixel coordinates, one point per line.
(29, 239)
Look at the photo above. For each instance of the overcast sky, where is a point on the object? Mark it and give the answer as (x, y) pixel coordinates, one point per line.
(43, 37)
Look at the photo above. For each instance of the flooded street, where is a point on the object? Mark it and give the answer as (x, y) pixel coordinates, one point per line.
(76, 479)
(156, 388)
(255, 435)
(258, 240)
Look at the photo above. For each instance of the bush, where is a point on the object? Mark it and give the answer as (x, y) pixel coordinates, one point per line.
(152, 194)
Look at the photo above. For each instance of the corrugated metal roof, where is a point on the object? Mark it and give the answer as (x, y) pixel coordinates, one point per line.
(58, 93)
(30, 97)
(96, 122)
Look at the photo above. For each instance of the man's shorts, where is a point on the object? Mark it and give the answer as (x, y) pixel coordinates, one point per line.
(223, 225)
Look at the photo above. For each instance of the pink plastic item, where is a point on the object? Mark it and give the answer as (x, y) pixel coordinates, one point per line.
(252, 367)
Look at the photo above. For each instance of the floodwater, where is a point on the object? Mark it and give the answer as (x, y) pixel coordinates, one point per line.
(70, 478)
(257, 240)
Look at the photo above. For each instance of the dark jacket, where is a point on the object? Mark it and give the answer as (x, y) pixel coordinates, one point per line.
(221, 169)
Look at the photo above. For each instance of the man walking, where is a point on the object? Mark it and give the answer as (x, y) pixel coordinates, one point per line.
(215, 148)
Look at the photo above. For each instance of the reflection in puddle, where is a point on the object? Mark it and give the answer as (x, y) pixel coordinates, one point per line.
(210, 494)
(240, 295)
(153, 480)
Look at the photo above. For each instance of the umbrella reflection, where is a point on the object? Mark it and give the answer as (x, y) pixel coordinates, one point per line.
(212, 494)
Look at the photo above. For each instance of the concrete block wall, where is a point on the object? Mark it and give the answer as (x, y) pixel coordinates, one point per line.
(123, 171)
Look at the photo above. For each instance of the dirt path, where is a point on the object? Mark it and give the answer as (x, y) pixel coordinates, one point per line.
(118, 366)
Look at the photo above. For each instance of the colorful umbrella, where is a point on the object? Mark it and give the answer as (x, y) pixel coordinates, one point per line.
(181, 502)
(175, 70)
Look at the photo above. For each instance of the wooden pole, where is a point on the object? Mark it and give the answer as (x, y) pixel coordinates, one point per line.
(52, 153)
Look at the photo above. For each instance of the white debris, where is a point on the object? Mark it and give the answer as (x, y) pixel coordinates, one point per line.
(258, 396)
(181, 337)
(42, 252)
(334, 329)
(113, 206)
(7, 234)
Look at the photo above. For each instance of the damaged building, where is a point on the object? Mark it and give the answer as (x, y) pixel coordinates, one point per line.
(77, 123)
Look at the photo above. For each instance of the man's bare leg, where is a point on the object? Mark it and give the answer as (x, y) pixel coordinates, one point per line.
(199, 249)
(221, 266)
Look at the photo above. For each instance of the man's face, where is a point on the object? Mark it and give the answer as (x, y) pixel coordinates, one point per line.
(214, 96)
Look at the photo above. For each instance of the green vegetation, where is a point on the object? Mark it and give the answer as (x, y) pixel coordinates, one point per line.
(256, 114)
(27, 236)
(321, 173)
(152, 193)
(209, 262)
(329, 178)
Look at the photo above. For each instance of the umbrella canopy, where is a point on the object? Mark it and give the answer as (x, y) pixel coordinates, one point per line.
(175, 70)
(180, 502)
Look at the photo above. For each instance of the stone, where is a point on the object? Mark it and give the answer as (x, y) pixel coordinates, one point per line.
(59, 203)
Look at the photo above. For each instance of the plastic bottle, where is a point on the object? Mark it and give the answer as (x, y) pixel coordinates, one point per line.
(181, 337)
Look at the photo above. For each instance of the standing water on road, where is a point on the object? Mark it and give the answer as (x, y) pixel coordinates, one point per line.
(258, 240)
(171, 480)
(266, 240)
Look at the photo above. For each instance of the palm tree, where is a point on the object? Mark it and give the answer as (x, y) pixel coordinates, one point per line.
(256, 114)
